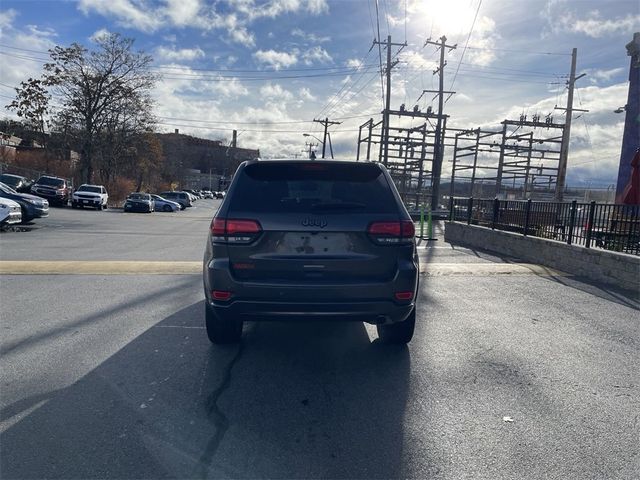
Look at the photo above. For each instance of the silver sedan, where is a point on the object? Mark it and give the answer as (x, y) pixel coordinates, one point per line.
(164, 205)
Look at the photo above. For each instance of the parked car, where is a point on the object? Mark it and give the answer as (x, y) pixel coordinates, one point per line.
(56, 190)
(139, 202)
(31, 205)
(94, 196)
(18, 183)
(164, 205)
(302, 240)
(192, 196)
(218, 194)
(10, 212)
(207, 194)
(182, 198)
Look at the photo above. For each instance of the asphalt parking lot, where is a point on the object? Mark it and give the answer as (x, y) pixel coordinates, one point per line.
(515, 371)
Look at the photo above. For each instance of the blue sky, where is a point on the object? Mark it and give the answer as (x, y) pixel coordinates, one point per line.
(223, 63)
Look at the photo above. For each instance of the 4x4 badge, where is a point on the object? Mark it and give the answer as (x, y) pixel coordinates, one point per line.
(312, 222)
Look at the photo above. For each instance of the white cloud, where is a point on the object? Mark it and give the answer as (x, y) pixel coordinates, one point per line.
(99, 34)
(139, 15)
(182, 12)
(305, 94)
(276, 60)
(395, 21)
(595, 26)
(316, 54)
(275, 92)
(484, 38)
(275, 8)
(22, 67)
(183, 54)
(236, 18)
(242, 36)
(354, 63)
(36, 31)
(184, 82)
(7, 17)
(597, 76)
(317, 7)
(309, 37)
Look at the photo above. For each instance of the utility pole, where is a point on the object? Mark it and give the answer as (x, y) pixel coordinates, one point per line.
(384, 149)
(311, 145)
(326, 122)
(566, 133)
(438, 144)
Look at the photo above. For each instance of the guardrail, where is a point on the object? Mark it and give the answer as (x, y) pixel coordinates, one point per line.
(611, 227)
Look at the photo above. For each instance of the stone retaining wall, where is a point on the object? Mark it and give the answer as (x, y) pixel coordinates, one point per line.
(614, 268)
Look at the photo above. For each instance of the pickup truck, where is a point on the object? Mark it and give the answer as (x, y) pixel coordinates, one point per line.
(56, 190)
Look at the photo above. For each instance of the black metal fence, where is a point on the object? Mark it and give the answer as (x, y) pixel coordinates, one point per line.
(612, 227)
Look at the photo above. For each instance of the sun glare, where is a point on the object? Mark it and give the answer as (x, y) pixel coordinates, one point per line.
(446, 17)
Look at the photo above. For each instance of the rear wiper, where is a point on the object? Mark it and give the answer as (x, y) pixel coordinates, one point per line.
(337, 206)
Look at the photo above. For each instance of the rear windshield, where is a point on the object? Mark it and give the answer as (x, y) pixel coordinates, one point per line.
(313, 188)
(139, 196)
(52, 182)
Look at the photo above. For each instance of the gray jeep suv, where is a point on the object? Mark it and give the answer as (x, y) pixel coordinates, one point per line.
(303, 240)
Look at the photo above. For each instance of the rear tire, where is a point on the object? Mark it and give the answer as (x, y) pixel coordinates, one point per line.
(222, 331)
(398, 333)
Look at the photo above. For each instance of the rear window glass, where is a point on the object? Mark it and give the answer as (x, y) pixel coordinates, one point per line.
(313, 188)
(140, 196)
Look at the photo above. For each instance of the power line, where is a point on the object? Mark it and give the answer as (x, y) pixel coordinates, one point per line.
(530, 72)
(518, 51)
(330, 104)
(244, 130)
(473, 24)
(229, 122)
(214, 70)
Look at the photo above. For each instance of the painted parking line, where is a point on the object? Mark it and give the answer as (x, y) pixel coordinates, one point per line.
(77, 267)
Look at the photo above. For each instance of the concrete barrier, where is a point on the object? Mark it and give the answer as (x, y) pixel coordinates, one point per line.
(614, 268)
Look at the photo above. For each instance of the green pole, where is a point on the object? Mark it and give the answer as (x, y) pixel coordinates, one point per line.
(429, 225)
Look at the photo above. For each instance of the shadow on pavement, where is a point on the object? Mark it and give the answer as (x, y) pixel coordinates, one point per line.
(292, 401)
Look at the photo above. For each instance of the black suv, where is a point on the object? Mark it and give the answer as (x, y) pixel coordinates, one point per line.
(300, 240)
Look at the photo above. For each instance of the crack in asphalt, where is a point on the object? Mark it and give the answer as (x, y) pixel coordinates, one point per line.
(217, 417)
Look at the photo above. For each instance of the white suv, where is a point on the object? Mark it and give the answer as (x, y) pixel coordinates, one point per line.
(95, 196)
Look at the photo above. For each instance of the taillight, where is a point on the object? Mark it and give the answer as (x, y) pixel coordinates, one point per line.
(404, 296)
(221, 295)
(392, 233)
(229, 230)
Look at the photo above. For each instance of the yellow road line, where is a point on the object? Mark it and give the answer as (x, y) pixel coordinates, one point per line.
(79, 267)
